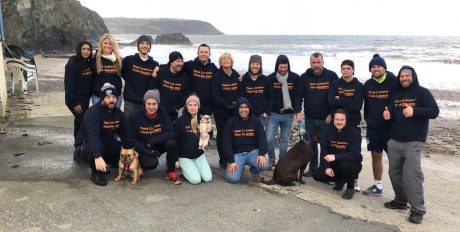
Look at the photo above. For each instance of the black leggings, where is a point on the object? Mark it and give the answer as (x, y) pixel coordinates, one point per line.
(220, 123)
(344, 170)
(78, 118)
(149, 161)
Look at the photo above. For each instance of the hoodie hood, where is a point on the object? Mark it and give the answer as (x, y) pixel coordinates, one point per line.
(282, 59)
(239, 102)
(414, 77)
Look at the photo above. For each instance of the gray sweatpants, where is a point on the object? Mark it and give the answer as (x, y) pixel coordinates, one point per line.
(406, 174)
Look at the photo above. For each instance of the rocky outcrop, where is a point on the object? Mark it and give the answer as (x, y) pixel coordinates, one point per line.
(50, 24)
(173, 38)
(160, 26)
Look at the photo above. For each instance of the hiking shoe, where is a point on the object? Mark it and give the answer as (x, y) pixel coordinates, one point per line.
(373, 191)
(271, 163)
(309, 173)
(357, 187)
(415, 217)
(255, 177)
(348, 194)
(395, 205)
(98, 178)
(172, 176)
(339, 186)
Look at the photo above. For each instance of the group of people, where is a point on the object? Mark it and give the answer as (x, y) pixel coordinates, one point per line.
(248, 111)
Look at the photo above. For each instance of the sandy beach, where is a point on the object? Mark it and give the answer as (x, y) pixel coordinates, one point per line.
(440, 162)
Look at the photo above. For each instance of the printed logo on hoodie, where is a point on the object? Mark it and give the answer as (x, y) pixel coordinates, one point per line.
(147, 72)
(202, 74)
(346, 92)
(277, 85)
(172, 86)
(382, 94)
(108, 69)
(230, 87)
(111, 124)
(339, 145)
(319, 85)
(256, 89)
(405, 102)
(150, 130)
(244, 132)
(87, 72)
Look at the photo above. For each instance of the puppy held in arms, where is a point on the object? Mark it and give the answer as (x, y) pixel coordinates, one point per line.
(291, 167)
(205, 127)
(129, 163)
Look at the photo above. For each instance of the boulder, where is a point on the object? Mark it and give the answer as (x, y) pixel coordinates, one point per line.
(173, 38)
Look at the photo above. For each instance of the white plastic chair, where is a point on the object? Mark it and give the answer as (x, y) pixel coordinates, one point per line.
(18, 68)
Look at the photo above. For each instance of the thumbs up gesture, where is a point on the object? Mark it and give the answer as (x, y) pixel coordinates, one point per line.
(408, 111)
(386, 114)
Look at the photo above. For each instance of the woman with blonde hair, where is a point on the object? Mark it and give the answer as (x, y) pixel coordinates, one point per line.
(107, 68)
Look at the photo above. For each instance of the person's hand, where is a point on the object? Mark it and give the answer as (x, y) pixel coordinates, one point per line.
(261, 160)
(329, 157)
(298, 117)
(177, 164)
(337, 97)
(77, 109)
(264, 115)
(386, 114)
(100, 164)
(155, 72)
(329, 172)
(231, 168)
(408, 111)
(328, 119)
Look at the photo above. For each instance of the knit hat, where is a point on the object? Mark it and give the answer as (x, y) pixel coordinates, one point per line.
(107, 90)
(144, 38)
(193, 98)
(377, 60)
(348, 62)
(175, 55)
(152, 94)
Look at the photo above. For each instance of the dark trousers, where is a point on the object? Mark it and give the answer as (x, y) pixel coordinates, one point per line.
(150, 161)
(110, 153)
(173, 116)
(131, 107)
(78, 118)
(220, 123)
(344, 170)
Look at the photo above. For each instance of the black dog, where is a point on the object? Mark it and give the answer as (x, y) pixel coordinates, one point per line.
(291, 167)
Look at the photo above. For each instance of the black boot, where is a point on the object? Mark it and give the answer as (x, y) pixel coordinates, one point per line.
(98, 178)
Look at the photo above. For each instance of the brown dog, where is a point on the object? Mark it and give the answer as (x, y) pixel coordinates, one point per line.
(291, 167)
(129, 162)
(204, 127)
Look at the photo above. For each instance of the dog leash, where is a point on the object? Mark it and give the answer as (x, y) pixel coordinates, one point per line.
(301, 124)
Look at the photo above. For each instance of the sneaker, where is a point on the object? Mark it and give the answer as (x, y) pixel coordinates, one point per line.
(357, 187)
(373, 191)
(348, 194)
(98, 178)
(309, 173)
(172, 176)
(395, 205)
(415, 217)
(271, 163)
(255, 177)
(339, 186)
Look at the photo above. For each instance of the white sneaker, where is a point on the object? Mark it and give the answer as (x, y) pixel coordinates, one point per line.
(357, 187)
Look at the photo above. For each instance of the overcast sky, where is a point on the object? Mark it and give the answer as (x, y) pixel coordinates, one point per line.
(302, 17)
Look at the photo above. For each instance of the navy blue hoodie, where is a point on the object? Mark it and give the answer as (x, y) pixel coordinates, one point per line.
(77, 82)
(138, 77)
(107, 74)
(259, 93)
(225, 90)
(314, 91)
(100, 125)
(187, 141)
(293, 79)
(349, 97)
(344, 144)
(413, 128)
(174, 89)
(144, 133)
(201, 81)
(243, 135)
(376, 97)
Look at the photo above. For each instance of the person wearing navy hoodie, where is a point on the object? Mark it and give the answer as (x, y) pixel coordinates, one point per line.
(200, 71)
(78, 79)
(152, 133)
(226, 88)
(258, 89)
(137, 72)
(340, 155)
(347, 93)
(246, 143)
(102, 133)
(285, 105)
(173, 83)
(409, 112)
(313, 90)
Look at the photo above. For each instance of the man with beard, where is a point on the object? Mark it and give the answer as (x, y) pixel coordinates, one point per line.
(101, 135)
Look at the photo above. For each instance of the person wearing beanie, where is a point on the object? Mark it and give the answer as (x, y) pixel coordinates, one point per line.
(313, 89)
(173, 84)
(409, 112)
(151, 131)
(258, 89)
(200, 71)
(137, 72)
(285, 107)
(195, 167)
(102, 133)
(377, 92)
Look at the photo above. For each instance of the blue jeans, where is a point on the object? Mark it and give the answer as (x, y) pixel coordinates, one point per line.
(263, 120)
(319, 126)
(242, 159)
(95, 99)
(195, 170)
(284, 122)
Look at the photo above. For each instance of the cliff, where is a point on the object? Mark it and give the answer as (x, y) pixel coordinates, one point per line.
(50, 24)
(160, 26)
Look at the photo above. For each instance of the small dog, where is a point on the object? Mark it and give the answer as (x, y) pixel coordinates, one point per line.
(129, 162)
(291, 167)
(204, 127)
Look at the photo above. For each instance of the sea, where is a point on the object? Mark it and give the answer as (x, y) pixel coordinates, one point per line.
(435, 59)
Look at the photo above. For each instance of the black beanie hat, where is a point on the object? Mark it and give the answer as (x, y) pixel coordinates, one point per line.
(144, 38)
(377, 60)
(348, 62)
(107, 90)
(175, 55)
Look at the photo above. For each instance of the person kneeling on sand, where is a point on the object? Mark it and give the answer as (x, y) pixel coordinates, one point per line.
(341, 155)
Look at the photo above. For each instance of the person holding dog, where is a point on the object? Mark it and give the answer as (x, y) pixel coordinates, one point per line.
(192, 160)
(410, 109)
(246, 143)
(102, 133)
(151, 131)
(340, 155)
